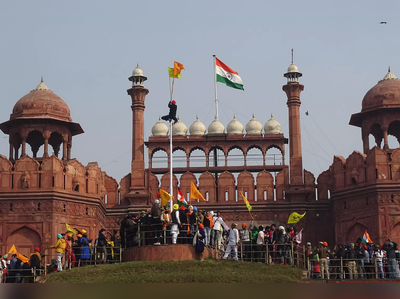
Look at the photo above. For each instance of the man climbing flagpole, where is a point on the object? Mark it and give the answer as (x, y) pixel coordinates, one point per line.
(173, 73)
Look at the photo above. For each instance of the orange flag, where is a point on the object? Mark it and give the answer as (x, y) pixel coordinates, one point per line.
(177, 68)
(194, 193)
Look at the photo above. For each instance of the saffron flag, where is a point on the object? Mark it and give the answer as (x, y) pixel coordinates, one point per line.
(194, 193)
(177, 68)
(13, 250)
(181, 199)
(165, 197)
(249, 207)
(171, 73)
(71, 230)
(366, 239)
(295, 217)
(226, 75)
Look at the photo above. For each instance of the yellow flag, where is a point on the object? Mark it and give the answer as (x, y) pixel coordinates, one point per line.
(73, 231)
(13, 250)
(177, 68)
(171, 73)
(165, 197)
(194, 193)
(249, 207)
(295, 217)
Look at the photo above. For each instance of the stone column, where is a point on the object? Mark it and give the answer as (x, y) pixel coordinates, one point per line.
(69, 146)
(385, 139)
(64, 157)
(46, 147)
(23, 147)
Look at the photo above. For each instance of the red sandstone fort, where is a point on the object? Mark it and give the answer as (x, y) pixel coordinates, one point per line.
(39, 194)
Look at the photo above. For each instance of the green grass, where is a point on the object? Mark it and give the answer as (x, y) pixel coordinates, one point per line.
(209, 271)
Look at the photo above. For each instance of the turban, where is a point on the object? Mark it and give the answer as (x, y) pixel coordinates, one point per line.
(244, 225)
(166, 208)
(83, 231)
(79, 236)
(176, 207)
(182, 208)
(59, 236)
(325, 244)
(37, 249)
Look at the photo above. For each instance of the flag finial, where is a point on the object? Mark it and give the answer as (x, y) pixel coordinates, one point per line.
(292, 54)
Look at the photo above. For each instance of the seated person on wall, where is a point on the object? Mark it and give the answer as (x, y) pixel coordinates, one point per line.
(172, 112)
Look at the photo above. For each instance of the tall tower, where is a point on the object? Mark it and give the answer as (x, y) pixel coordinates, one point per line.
(138, 94)
(293, 89)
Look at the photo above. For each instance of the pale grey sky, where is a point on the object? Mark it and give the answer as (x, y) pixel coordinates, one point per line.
(86, 50)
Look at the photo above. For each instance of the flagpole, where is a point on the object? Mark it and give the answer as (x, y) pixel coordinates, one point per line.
(215, 88)
(170, 164)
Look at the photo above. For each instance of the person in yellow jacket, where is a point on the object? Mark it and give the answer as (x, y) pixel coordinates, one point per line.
(60, 249)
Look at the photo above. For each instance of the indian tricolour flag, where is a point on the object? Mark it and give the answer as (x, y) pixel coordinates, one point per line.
(226, 75)
(366, 239)
(181, 199)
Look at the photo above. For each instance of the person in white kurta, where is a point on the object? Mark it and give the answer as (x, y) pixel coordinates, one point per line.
(233, 241)
(176, 223)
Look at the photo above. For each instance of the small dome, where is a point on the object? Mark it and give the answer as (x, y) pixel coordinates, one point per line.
(159, 129)
(293, 68)
(41, 103)
(254, 127)
(216, 127)
(272, 126)
(385, 94)
(197, 128)
(137, 72)
(234, 127)
(179, 128)
(389, 76)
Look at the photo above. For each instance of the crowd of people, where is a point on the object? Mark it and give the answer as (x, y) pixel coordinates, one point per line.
(205, 229)
(71, 250)
(357, 260)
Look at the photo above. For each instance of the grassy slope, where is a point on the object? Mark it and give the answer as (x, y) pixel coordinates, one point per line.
(209, 271)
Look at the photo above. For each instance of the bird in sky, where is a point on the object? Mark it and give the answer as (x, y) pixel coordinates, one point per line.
(383, 23)
(307, 113)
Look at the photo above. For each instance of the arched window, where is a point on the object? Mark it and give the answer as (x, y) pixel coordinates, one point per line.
(197, 158)
(235, 157)
(254, 157)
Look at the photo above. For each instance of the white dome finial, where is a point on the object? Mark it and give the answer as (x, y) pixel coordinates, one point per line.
(197, 128)
(159, 129)
(272, 126)
(388, 76)
(254, 127)
(42, 86)
(234, 127)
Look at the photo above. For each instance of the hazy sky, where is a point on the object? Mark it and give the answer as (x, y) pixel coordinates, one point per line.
(86, 50)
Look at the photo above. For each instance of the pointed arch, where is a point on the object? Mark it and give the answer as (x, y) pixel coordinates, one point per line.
(355, 231)
(25, 239)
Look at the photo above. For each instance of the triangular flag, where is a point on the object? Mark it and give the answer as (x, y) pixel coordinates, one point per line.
(249, 207)
(194, 193)
(71, 230)
(13, 250)
(177, 68)
(171, 73)
(295, 217)
(165, 197)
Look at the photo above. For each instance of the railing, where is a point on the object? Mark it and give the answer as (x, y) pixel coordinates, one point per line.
(70, 259)
(353, 269)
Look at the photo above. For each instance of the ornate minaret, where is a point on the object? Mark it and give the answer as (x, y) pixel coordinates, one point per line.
(293, 89)
(138, 94)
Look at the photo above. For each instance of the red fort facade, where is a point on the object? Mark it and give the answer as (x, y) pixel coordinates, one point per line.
(39, 194)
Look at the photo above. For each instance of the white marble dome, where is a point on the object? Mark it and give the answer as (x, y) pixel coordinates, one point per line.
(197, 128)
(137, 72)
(216, 127)
(235, 127)
(272, 126)
(159, 129)
(254, 127)
(293, 68)
(179, 128)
